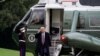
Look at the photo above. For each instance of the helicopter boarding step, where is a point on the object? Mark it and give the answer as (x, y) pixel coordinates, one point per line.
(55, 48)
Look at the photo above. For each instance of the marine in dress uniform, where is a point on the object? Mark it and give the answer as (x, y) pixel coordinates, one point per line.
(22, 42)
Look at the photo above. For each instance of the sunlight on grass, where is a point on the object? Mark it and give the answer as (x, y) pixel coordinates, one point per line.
(8, 52)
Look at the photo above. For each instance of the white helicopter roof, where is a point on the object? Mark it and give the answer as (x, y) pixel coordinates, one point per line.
(51, 4)
(82, 8)
(54, 6)
(66, 5)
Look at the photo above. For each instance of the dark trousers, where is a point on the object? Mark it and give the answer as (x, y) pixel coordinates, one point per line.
(22, 47)
(44, 51)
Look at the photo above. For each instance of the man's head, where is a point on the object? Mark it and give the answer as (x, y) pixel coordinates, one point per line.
(42, 29)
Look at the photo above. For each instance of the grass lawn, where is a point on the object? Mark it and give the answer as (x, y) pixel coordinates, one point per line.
(8, 52)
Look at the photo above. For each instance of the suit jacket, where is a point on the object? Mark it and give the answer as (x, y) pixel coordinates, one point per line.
(47, 42)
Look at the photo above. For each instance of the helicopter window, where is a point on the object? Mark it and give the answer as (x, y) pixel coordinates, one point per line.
(94, 19)
(94, 22)
(67, 21)
(37, 18)
(28, 15)
(90, 2)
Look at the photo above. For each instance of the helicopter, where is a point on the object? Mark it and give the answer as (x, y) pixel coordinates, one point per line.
(74, 22)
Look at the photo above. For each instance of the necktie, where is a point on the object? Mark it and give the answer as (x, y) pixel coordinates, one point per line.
(43, 38)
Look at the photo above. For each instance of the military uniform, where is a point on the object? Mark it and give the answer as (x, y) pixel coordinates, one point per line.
(22, 42)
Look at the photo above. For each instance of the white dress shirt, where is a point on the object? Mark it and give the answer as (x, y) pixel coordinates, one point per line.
(43, 37)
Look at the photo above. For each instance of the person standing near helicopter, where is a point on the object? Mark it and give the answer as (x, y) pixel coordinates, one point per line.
(20, 30)
(22, 42)
(43, 42)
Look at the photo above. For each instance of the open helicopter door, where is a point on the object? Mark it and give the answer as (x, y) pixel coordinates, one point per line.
(54, 25)
(54, 20)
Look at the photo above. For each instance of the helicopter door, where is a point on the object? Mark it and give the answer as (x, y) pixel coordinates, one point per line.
(55, 22)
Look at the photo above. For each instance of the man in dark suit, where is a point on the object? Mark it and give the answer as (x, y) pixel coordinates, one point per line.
(43, 42)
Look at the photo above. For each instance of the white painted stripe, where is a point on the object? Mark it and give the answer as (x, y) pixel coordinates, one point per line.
(22, 41)
(82, 30)
(32, 29)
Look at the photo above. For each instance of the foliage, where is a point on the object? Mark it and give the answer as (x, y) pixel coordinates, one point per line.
(11, 11)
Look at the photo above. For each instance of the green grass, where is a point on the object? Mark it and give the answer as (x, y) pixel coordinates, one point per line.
(8, 52)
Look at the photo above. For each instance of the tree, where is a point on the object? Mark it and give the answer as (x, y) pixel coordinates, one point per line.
(11, 11)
